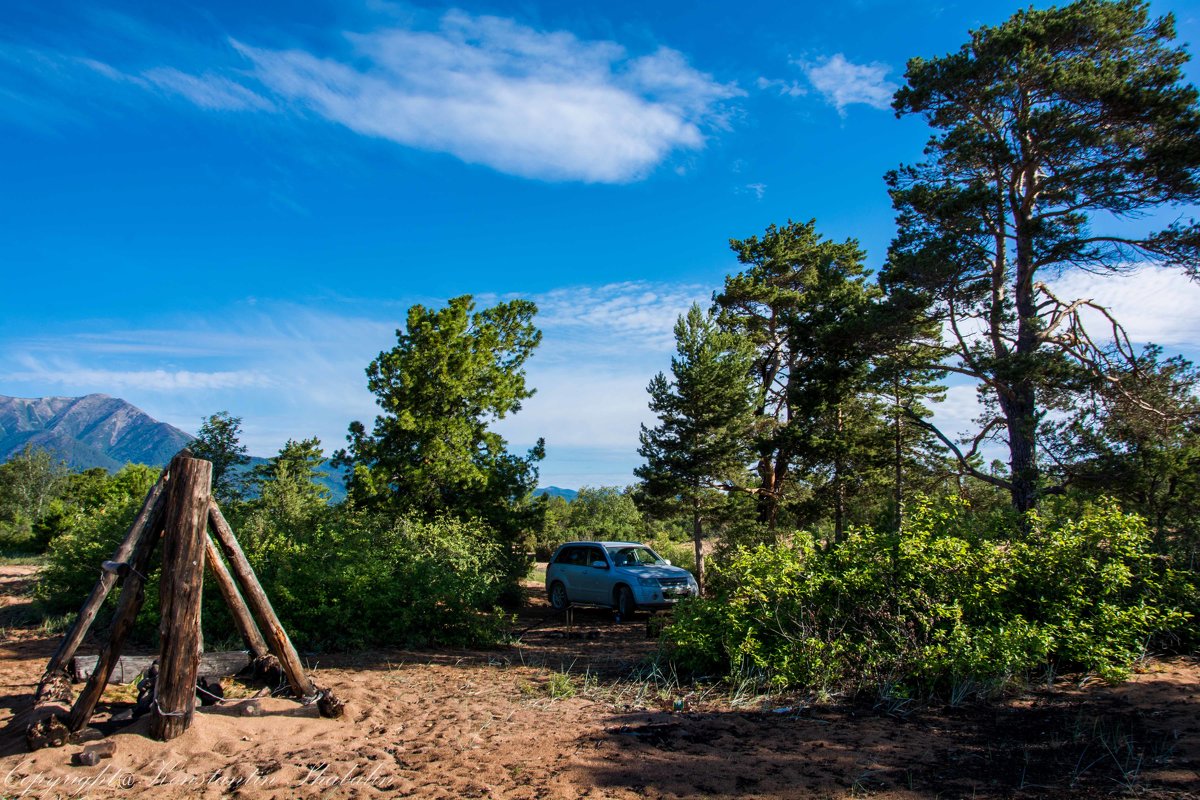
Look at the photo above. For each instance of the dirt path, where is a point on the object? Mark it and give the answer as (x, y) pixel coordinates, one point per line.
(497, 724)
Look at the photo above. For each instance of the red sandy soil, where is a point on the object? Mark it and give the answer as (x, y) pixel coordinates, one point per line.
(490, 724)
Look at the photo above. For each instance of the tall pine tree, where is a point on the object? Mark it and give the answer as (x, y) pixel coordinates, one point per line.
(700, 447)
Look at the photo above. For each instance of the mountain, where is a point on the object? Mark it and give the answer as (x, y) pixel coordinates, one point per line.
(554, 491)
(102, 431)
(91, 431)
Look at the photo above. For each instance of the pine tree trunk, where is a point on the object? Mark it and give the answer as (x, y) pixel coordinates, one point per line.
(898, 497)
(698, 540)
(839, 488)
(1019, 404)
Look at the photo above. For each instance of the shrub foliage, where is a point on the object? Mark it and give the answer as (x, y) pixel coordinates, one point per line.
(953, 600)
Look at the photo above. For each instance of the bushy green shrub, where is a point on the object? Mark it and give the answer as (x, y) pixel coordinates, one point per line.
(337, 577)
(363, 579)
(86, 525)
(956, 597)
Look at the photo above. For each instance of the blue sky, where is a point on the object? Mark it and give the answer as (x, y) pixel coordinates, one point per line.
(230, 206)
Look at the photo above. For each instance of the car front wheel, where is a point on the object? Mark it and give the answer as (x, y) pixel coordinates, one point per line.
(558, 597)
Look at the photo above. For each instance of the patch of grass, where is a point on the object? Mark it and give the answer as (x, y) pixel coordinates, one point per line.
(18, 559)
(559, 686)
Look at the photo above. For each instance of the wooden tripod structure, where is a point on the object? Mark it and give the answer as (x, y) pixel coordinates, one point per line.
(179, 510)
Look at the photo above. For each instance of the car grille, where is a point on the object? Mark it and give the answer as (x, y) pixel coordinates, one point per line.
(673, 583)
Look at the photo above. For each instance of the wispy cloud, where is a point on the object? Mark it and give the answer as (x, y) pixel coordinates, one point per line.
(489, 91)
(208, 91)
(72, 376)
(294, 371)
(486, 90)
(631, 318)
(843, 83)
(781, 87)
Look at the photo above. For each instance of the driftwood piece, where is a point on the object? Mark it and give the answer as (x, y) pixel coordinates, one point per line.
(328, 704)
(48, 732)
(277, 638)
(233, 599)
(180, 589)
(55, 687)
(132, 597)
(127, 668)
(145, 520)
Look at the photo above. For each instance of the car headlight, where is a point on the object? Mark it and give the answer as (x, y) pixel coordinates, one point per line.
(695, 587)
(645, 580)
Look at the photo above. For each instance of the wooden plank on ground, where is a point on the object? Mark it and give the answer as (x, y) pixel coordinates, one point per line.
(127, 668)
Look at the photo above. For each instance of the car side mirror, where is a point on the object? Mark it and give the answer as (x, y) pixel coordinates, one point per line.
(599, 565)
(668, 561)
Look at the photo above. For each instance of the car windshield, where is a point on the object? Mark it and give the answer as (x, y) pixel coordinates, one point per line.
(634, 556)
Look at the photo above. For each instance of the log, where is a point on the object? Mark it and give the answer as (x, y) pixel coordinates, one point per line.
(127, 668)
(277, 638)
(132, 597)
(146, 519)
(180, 589)
(233, 598)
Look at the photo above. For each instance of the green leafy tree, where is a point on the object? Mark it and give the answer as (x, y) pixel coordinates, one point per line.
(219, 441)
(821, 334)
(1049, 127)
(289, 499)
(700, 447)
(298, 463)
(776, 305)
(1143, 450)
(29, 483)
(453, 372)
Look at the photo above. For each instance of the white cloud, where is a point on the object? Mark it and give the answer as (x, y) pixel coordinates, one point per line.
(296, 371)
(73, 376)
(1153, 304)
(208, 91)
(843, 83)
(489, 91)
(782, 87)
(635, 318)
(757, 189)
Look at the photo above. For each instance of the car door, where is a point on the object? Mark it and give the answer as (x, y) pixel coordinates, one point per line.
(571, 568)
(594, 582)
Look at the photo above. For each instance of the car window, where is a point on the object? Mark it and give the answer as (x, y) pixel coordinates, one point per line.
(570, 555)
(633, 556)
(596, 554)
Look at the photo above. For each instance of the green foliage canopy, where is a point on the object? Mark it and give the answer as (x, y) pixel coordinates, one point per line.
(452, 373)
(1050, 127)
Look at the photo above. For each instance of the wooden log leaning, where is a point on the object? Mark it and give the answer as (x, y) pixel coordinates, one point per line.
(50, 685)
(180, 589)
(233, 599)
(132, 597)
(128, 668)
(277, 638)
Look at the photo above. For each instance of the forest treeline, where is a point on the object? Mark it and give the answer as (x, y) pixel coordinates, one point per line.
(844, 539)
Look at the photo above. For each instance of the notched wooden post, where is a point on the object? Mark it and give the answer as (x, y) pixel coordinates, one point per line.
(277, 638)
(55, 685)
(179, 597)
(237, 606)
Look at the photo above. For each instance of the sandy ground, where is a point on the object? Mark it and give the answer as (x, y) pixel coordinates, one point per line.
(496, 724)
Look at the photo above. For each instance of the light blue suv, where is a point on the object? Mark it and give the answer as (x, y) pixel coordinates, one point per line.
(624, 576)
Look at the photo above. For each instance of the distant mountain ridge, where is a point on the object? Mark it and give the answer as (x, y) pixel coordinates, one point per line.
(91, 431)
(556, 491)
(102, 431)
